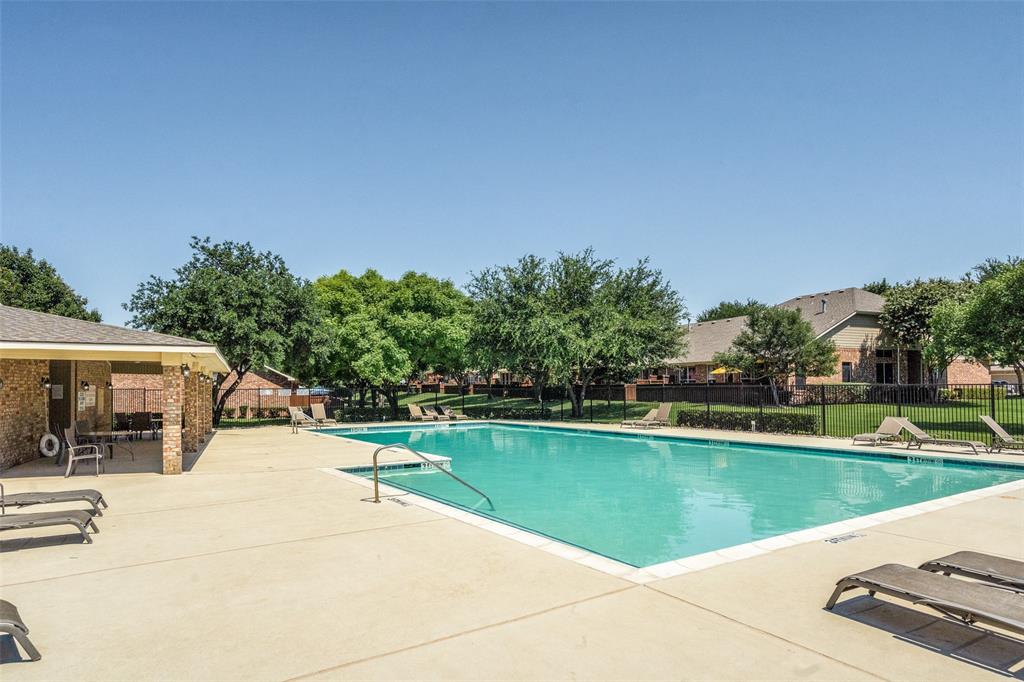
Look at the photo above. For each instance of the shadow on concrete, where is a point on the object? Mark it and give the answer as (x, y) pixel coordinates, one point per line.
(979, 647)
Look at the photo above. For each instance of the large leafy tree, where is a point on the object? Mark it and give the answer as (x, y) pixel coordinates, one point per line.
(246, 302)
(907, 313)
(776, 344)
(386, 332)
(27, 282)
(576, 318)
(993, 320)
(727, 309)
(992, 267)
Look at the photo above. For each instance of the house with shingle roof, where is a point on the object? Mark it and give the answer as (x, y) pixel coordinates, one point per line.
(850, 318)
(55, 373)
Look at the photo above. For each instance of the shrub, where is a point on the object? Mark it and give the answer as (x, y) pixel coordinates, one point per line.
(229, 413)
(362, 414)
(243, 411)
(772, 422)
(519, 413)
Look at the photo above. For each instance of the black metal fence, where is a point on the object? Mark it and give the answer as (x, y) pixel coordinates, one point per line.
(842, 410)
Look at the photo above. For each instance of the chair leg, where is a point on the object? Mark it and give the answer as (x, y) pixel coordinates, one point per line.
(21, 637)
(71, 465)
(95, 528)
(84, 532)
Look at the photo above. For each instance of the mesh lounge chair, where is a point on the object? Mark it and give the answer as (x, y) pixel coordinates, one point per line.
(12, 624)
(1001, 572)
(452, 414)
(888, 430)
(970, 602)
(320, 415)
(647, 420)
(664, 409)
(919, 438)
(417, 414)
(74, 517)
(77, 453)
(1000, 438)
(93, 497)
(300, 418)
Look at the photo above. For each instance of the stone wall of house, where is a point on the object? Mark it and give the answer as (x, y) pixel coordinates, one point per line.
(97, 373)
(964, 372)
(24, 410)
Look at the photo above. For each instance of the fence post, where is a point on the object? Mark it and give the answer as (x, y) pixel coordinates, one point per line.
(824, 425)
(591, 408)
(899, 401)
(462, 391)
(992, 399)
(259, 404)
(623, 402)
(707, 399)
(561, 407)
(760, 407)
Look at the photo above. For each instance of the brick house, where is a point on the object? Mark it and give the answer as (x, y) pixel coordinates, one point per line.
(850, 318)
(55, 371)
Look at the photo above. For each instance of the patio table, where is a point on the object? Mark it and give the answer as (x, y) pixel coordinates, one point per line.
(109, 438)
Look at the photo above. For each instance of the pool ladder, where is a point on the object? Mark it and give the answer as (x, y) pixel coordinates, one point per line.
(376, 485)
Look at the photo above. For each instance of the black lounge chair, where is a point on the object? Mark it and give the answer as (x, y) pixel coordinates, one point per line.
(967, 601)
(1001, 572)
(12, 624)
(75, 517)
(93, 497)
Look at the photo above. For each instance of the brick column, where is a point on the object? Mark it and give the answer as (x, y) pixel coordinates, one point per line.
(174, 388)
(190, 439)
(207, 406)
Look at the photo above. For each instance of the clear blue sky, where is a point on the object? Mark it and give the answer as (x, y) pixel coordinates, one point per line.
(750, 149)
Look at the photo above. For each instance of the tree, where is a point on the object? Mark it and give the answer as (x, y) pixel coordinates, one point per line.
(776, 344)
(907, 312)
(947, 339)
(576, 318)
(727, 309)
(880, 287)
(992, 267)
(993, 320)
(386, 332)
(246, 302)
(34, 284)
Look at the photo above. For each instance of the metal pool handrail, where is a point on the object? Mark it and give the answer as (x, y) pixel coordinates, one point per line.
(376, 486)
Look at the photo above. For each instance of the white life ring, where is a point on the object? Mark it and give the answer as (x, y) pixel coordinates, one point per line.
(49, 446)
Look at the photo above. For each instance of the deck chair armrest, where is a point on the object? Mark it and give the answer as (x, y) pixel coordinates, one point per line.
(90, 446)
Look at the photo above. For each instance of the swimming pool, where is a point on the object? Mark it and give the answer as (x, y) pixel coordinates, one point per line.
(644, 499)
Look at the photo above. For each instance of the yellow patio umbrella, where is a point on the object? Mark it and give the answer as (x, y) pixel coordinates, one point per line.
(725, 370)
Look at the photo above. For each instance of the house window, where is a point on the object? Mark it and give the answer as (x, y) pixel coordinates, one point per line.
(885, 373)
(801, 380)
(847, 372)
(884, 353)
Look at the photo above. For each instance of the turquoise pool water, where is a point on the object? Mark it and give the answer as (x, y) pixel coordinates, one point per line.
(644, 500)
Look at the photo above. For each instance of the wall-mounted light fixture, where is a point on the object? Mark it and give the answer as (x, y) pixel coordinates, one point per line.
(1, 383)
(44, 383)
(110, 385)
(185, 371)
(85, 385)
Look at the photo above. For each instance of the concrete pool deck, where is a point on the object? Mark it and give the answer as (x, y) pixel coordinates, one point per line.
(255, 564)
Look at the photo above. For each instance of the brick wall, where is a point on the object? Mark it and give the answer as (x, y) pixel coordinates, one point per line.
(23, 410)
(97, 373)
(152, 382)
(964, 372)
(173, 388)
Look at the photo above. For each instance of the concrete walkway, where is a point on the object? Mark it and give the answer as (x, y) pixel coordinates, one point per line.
(256, 565)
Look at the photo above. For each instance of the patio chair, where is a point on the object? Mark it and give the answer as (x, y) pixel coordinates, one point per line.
(968, 601)
(417, 414)
(888, 430)
(78, 518)
(13, 625)
(919, 438)
(78, 453)
(997, 570)
(93, 497)
(1000, 437)
(300, 418)
(648, 420)
(320, 415)
(664, 409)
(452, 414)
